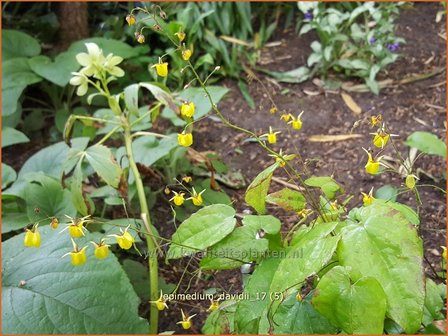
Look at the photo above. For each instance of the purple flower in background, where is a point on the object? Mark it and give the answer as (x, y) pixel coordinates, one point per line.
(372, 40)
(393, 46)
(308, 15)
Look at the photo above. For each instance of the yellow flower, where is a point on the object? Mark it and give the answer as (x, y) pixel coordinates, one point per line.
(187, 179)
(101, 249)
(304, 213)
(161, 68)
(299, 297)
(272, 136)
(178, 198)
(130, 19)
(214, 305)
(186, 54)
(367, 199)
(196, 198)
(443, 252)
(186, 320)
(185, 139)
(282, 159)
(76, 227)
(187, 109)
(180, 35)
(375, 121)
(32, 237)
(160, 303)
(296, 122)
(380, 139)
(273, 109)
(141, 38)
(78, 256)
(286, 117)
(125, 239)
(372, 166)
(410, 181)
(54, 223)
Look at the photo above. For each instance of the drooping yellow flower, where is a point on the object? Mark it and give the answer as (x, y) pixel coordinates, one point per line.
(214, 305)
(32, 237)
(304, 213)
(76, 226)
(271, 136)
(187, 109)
(443, 252)
(54, 223)
(273, 109)
(375, 121)
(373, 165)
(101, 249)
(281, 159)
(180, 35)
(186, 320)
(187, 179)
(286, 117)
(125, 239)
(141, 38)
(380, 139)
(161, 68)
(410, 181)
(196, 198)
(296, 122)
(78, 256)
(299, 297)
(130, 19)
(186, 54)
(367, 199)
(160, 303)
(185, 139)
(178, 198)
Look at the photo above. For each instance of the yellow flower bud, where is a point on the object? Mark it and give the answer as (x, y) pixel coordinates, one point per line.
(161, 69)
(101, 250)
(380, 139)
(375, 121)
(187, 109)
(187, 179)
(410, 181)
(214, 305)
(286, 117)
(296, 122)
(54, 223)
(272, 138)
(79, 257)
(372, 166)
(76, 230)
(299, 297)
(125, 239)
(32, 237)
(160, 303)
(141, 39)
(186, 320)
(185, 139)
(196, 198)
(180, 35)
(186, 54)
(130, 19)
(178, 198)
(273, 110)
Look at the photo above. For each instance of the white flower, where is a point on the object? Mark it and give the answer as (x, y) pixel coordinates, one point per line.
(79, 79)
(110, 65)
(93, 61)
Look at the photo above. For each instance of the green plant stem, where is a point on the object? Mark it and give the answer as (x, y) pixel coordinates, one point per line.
(150, 242)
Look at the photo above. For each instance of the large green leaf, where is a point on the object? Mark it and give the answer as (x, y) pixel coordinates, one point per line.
(43, 293)
(287, 199)
(201, 102)
(148, 149)
(203, 229)
(46, 194)
(9, 175)
(249, 311)
(427, 143)
(242, 245)
(300, 317)
(257, 191)
(434, 304)
(11, 136)
(221, 321)
(12, 221)
(160, 94)
(357, 306)
(18, 44)
(326, 183)
(103, 162)
(58, 71)
(380, 242)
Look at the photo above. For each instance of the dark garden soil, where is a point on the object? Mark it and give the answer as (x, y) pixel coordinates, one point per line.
(416, 106)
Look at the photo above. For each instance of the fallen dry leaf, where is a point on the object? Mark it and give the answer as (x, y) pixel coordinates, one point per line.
(337, 137)
(348, 100)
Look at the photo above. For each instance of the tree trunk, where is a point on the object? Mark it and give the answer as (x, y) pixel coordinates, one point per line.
(73, 22)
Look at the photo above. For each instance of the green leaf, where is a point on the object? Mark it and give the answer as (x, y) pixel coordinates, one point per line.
(245, 92)
(11, 136)
(149, 150)
(249, 311)
(287, 199)
(257, 191)
(18, 44)
(82, 204)
(46, 194)
(58, 71)
(131, 98)
(201, 102)
(9, 175)
(43, 293)
(12, 221)
(326, 183)
(210, 196)
(108, 46)
(221, 321)
(103, 162)
(357, 306)
(379, 242)
(387, 192)
(297, 75)
(294, 317)
(309, 233)
(427, 143)
(203, 229)
(161, 95)
(434, 303)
